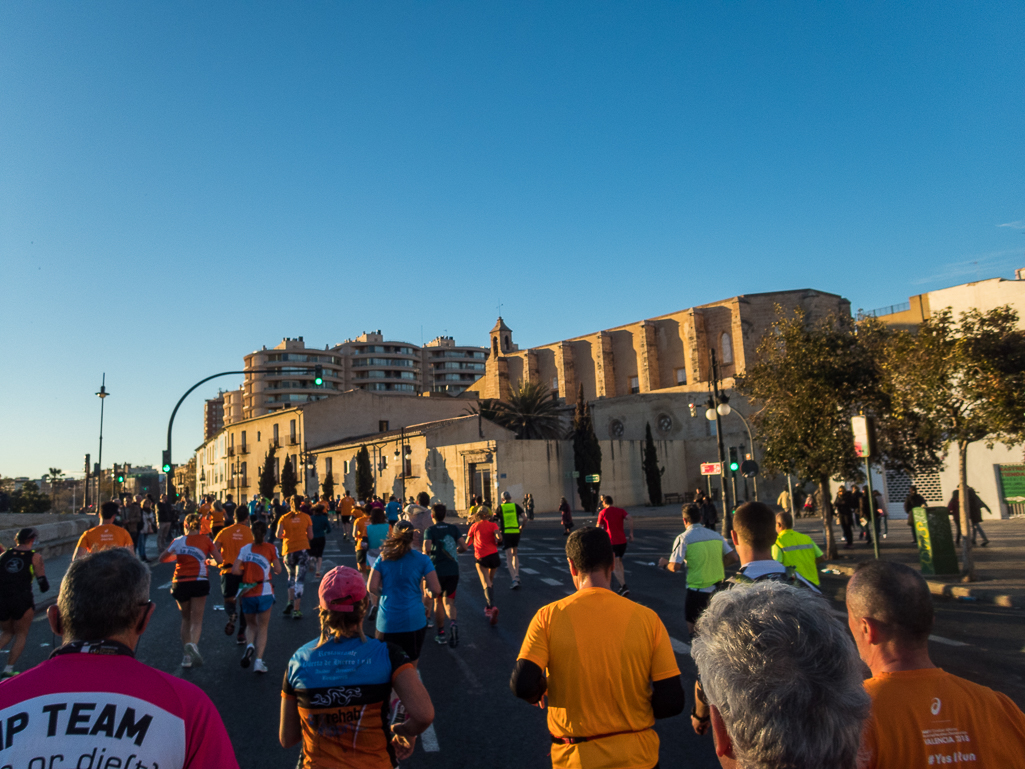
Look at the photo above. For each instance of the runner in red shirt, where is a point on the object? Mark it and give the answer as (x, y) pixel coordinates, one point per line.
(484, 536)
(611, 519)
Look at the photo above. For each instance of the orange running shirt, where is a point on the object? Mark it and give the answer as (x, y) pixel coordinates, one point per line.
(192, 551)
(482, 535)
(929, 717)
(292, 529)
(217, 516)
(231, 539)
(602, 652)
(345, 506)
(104, 537)
(256, 570)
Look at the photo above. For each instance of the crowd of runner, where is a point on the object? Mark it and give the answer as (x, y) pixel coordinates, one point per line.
(771, 659)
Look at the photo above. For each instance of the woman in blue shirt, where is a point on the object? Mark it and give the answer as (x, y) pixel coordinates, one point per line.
(396, 577)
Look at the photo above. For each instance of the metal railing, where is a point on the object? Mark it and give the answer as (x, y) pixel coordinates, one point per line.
(890, 310)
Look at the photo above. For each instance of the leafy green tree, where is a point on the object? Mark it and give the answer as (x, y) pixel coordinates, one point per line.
(328, 486)
(364, 474)
(288, 479)
(808, 381)
(586, 453)
(652, 472)
(965, 382)
(267, 481)
(531, 412)
(28, 499)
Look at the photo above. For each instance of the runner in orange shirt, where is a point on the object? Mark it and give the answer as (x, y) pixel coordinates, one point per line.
(190, 585)
(230, 540)
(346, 511)
(295, 529)
(217, 516)
(105, 536)
(253, 567)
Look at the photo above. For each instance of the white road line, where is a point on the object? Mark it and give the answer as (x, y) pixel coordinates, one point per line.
(165, 586)
(947, 641)
(525, 570)
(679, 646)
(429, 740)
(550, 581)
(464, 668)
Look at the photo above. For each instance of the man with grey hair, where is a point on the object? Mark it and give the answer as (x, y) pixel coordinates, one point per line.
(922, 715)
(92, 702)
(783, 680)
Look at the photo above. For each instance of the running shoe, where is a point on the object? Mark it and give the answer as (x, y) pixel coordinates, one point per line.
(440, 639)
(373, 613)
(240, 639)
(494, 615)
(187, 661)
(296, 614)
(230, 627)
(259, 667)
(288, 609)
(453, 636)
(8, 674)
(197, 658)
(515, 584)
(624, 591)
(247, 658)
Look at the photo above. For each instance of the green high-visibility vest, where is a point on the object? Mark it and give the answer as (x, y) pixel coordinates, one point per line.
(510, 520)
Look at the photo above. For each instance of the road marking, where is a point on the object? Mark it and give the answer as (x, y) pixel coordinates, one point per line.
(679, 646)
(464, 668)
(550, 581)
(165, 586)
(525, 570)
(428, 737)
(947, 641)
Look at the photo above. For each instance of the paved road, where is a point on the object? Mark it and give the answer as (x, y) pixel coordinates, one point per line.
(478, 721)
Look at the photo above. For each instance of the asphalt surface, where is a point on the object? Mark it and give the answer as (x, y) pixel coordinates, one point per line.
(478, 721)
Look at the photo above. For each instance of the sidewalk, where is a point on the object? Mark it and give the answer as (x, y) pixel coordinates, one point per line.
(1000, 566)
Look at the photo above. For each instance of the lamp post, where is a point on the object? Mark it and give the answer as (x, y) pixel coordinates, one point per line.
(102, 395)
(718, 407)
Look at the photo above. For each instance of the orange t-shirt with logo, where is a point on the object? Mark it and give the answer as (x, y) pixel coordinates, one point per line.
(217, 516)
(191, 552)
(104, 537)
(929, 717)
(231, 539)
(345, 506)
(292, 528)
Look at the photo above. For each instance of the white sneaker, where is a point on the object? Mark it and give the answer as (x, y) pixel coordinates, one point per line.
(187, 661)
(259, 667)
(193, 650)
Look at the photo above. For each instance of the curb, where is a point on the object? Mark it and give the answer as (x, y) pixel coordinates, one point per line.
(951, 591)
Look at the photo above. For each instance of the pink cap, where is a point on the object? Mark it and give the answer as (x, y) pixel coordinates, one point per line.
(342, 588)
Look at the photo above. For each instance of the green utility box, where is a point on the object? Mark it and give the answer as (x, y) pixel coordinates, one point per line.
(935, 541)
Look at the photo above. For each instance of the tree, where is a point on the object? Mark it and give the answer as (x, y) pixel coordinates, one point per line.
(364, 475)
(808, 381)
(586, 453)
(531, 412)
(652, 472)
(28, 499)
(288, 479)
(54, 478)
(965, 381)
(328, 486)
(267, 481)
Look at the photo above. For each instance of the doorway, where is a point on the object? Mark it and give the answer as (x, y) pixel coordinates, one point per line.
(480, 481)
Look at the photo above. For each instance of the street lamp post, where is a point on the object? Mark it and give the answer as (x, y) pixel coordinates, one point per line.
(102, 395)
(718, 406)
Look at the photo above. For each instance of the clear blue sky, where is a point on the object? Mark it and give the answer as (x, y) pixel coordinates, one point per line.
(181, 183)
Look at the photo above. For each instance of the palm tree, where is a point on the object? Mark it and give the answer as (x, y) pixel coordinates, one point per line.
(531, 412)
(53, 477)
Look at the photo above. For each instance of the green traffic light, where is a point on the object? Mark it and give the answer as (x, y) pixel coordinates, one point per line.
(734, 466)
(318, 381)
(167, 468)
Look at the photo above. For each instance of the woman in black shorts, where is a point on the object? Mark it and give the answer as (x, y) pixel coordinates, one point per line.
(17, 568)
(192, 553)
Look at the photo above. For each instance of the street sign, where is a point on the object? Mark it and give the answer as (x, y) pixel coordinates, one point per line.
(592, 479)
(711, 468)
(749, 468)
(864, 436)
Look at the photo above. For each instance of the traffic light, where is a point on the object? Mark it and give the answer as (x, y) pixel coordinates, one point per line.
(119, 473)
(166, 463)
(734, 463)
(318, 375)
(693, 409)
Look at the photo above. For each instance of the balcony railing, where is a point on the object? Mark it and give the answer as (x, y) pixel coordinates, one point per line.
(244, 449)
(231, 451)
(275, 443)
(292, 440)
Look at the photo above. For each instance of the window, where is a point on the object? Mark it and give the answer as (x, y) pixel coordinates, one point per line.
(257, 436)
(382, 426)
(727, 348)
(635, 385)
(681, 376)
(277, 468)
(384, 462)
(328, 467)
(275, 440)
(291, 430)
(407, 467)
(242, 469)
(345, 467)
(243, 440)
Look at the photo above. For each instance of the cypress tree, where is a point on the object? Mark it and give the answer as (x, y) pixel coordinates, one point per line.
(328, 486)
(364, 475)
(288, 479)
(267, 481)
(652, 472)
(586, 453)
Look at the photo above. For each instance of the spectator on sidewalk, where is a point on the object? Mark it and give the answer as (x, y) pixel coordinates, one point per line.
(782, 678)
(911, 501)
(921, 715)
(92, 697)
(783, 501)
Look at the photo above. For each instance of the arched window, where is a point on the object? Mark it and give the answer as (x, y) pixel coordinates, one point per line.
(727, 348)
(507, 345)
(494, 345)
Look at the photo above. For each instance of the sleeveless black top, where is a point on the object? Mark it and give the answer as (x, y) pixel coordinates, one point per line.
(16, 572)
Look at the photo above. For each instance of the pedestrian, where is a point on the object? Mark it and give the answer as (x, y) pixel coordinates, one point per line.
(147, 526)
(911, 501)
(782, 679)
(164, 515)
(370, 531)
(230, 541)
(611, 519)
(921, 715)
(881, 513)
(252, 568)
(295, 530)
(528, 506)
(392, 509)
(395, 577)
(139, 716)
(419, 514)
(565, 516)
(443, 542)
(611, 670)
(485, 537)
(709, 513)
(793, 548)
(975, 505)
(845, 512)
(105, 536)
(510, 519)
(131, 519)
(350, 730)
(18, 566)
(228, 514)
(704, 555)
(190, 585)
(783, 501)
(321, 528)
(345, 508)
